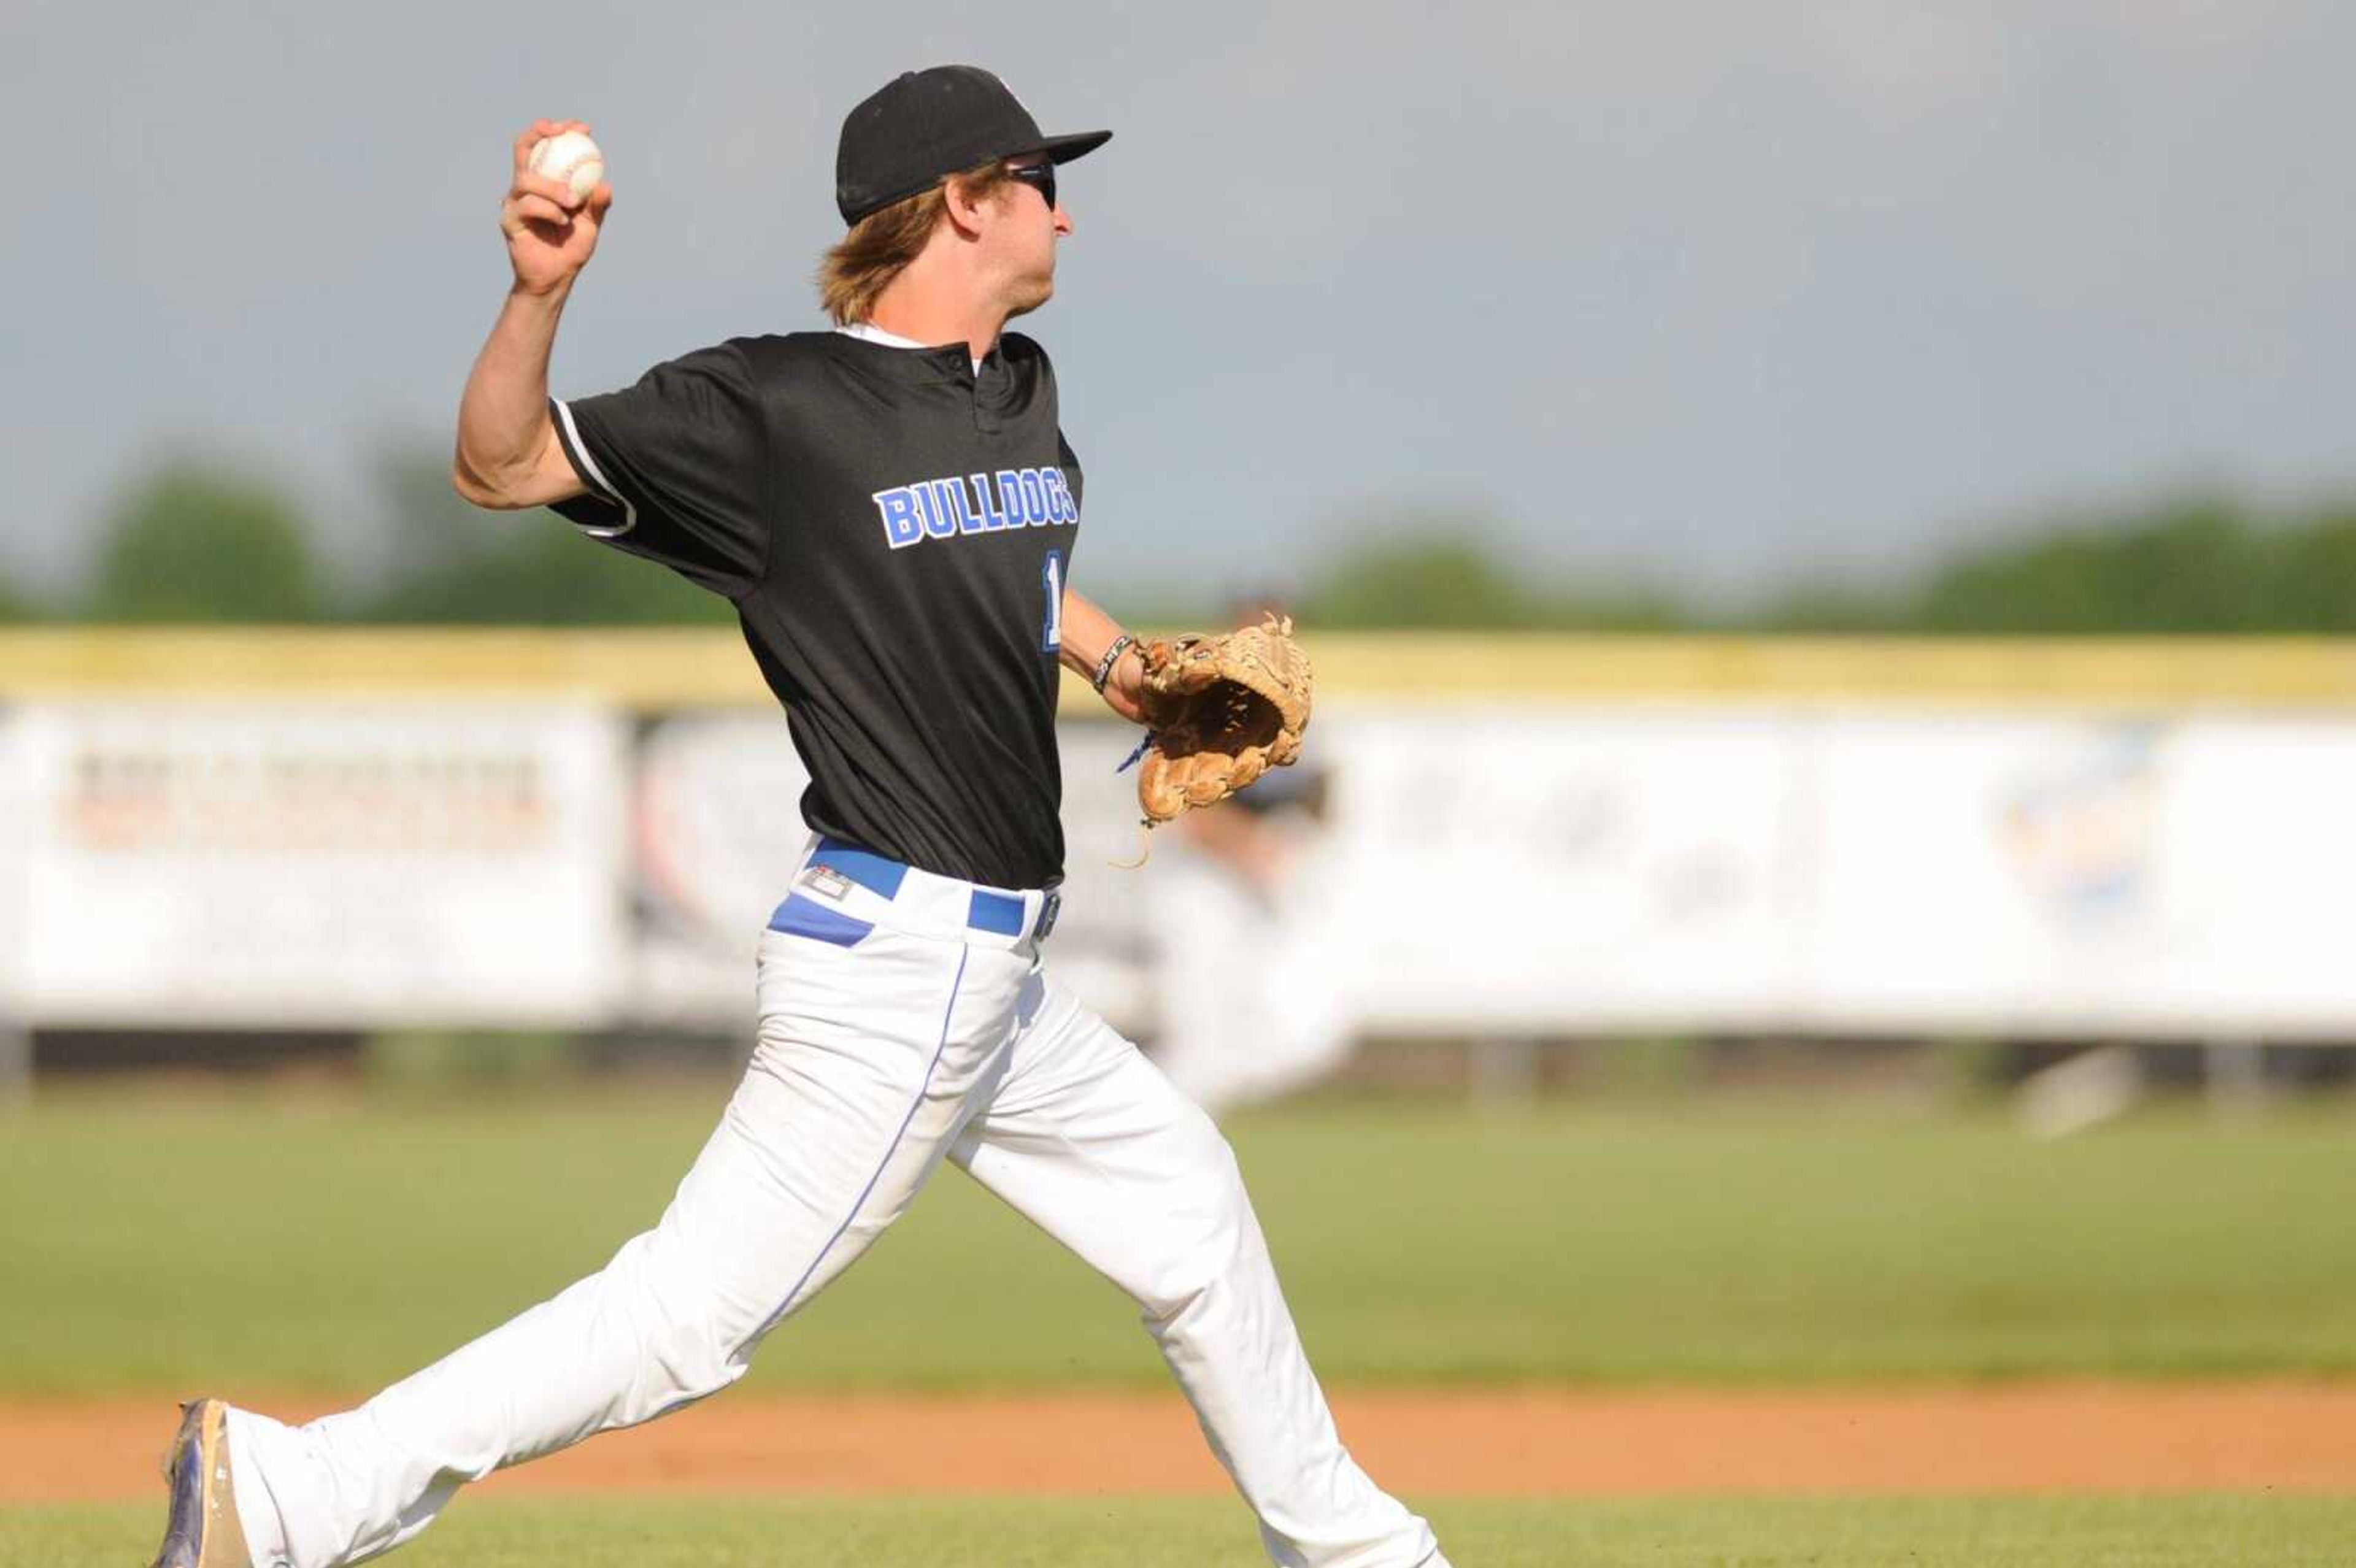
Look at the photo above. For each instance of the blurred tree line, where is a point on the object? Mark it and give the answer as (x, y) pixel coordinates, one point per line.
(196, 541)
(192, 541)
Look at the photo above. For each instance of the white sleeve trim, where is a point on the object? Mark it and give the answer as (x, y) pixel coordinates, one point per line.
(597, 481)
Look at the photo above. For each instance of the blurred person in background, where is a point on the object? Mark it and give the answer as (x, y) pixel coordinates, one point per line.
(1239, 905)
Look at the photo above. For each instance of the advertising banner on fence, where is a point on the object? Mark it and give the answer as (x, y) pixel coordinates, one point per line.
(2075, 876)
(219, 864)
(1570, 868)
(1506, 868)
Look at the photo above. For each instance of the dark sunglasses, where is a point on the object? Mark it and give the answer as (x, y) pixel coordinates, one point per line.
(1040, 177)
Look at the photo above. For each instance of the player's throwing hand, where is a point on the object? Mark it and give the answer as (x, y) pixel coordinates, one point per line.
(551, 232)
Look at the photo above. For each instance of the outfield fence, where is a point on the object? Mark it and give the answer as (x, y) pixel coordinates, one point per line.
(1519, 837)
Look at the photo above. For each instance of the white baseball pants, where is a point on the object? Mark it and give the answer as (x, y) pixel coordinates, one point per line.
(900, 1033)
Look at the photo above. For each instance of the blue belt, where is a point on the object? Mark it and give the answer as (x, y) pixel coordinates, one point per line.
(1000, 913)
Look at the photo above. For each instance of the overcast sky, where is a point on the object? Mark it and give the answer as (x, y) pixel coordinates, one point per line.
(1707, 291)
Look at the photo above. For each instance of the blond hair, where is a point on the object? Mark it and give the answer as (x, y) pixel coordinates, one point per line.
(854, 273)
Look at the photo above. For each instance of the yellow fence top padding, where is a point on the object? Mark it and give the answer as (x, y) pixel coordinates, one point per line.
(701, 667)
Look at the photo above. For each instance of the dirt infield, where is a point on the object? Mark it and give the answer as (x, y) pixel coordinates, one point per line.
(2045, 1437)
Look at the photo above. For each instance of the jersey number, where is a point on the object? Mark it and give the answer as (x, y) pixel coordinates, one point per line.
(1051, 575)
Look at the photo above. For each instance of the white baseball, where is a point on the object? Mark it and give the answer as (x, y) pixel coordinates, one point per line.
(570, 156)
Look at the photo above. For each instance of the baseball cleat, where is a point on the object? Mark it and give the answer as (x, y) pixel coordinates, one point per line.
(203, 1531)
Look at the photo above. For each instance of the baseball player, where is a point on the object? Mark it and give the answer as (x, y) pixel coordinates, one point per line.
(892, 507)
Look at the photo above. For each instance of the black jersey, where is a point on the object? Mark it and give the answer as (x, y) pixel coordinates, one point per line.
(894, 530)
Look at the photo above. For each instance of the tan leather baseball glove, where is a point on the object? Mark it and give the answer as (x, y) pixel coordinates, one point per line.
(1222, 711)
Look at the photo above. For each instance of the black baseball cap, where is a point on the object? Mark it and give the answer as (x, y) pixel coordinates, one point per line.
(925, 125)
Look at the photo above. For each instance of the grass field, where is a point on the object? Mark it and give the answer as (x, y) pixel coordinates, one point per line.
(322, 1240)
(1115, 1532)
(245, 1239)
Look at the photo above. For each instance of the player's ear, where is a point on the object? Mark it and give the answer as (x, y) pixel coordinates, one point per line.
(966, 209)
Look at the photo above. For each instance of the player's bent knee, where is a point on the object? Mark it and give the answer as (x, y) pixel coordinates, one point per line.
(1206, 1232)
(686, 1341)
(1200, 1145)
(679, 1363)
